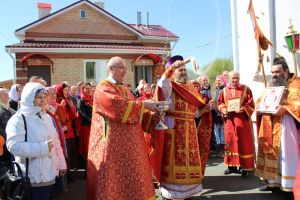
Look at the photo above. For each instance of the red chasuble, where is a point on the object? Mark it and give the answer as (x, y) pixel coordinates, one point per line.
(269, 132)
(181, 162)
(181, 159)
(118, 166)
(238, 131)
(204, 134)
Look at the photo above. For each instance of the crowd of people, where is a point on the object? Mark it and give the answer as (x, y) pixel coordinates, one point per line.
(58, 120)
(109, 130)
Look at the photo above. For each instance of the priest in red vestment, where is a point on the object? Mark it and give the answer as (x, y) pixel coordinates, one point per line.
(181, 175)
(278, 139)
(237, 105)
(118, 167)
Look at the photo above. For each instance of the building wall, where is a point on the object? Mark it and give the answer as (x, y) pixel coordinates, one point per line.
(70, 25)
(69, 67)
(129, 78)
(72, 70)
(67, 70)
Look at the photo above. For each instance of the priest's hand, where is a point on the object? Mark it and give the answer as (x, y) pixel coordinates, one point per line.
(177, 64)
(151, 105)
(280, 111)
(241, 110)
(224, 112)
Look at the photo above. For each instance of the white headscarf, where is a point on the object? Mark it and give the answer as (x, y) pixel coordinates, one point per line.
(27, 98)
(13, 93)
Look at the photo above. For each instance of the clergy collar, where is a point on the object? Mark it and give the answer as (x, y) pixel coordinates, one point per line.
(110, 79)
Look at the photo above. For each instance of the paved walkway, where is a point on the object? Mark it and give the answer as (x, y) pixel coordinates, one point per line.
(216, 186)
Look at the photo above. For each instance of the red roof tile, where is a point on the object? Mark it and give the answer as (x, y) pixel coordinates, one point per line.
(82, 45)
(154, 30)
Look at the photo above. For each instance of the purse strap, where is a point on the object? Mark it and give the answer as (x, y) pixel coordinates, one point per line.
(27, 159)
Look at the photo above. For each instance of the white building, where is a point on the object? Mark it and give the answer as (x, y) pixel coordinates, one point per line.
(273, 17)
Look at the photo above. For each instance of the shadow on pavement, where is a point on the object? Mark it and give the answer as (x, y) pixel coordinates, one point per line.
(230, 183)
(76, 189)
(214, 160)
(244, 196)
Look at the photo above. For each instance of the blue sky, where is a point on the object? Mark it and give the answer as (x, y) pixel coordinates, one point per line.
(204, 26)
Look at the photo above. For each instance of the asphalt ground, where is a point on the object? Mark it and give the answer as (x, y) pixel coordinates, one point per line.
(216, 186)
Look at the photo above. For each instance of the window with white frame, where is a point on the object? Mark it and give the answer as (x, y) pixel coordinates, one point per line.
(95, 70)
(83, 14)
(90, 69)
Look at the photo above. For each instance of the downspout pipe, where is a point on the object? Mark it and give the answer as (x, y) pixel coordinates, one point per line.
(14, 65)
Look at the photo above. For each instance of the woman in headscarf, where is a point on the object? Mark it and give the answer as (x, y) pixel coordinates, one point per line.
(51, 101)
(46, 160)
(66, 112)
(85, 112)
(51, 110)
(146, 92)
(14, 96)
(61, 182)
(196, 85)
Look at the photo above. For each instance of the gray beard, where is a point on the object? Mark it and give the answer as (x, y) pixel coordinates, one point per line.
(182, 80)
(280, 81)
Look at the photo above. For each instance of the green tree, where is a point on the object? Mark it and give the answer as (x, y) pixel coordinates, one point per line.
(213, 69)
(216, 67)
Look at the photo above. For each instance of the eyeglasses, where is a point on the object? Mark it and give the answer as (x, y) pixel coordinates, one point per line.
(123, 67)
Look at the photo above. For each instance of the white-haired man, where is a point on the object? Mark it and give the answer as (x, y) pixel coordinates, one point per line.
(236, 105)
(117, 166)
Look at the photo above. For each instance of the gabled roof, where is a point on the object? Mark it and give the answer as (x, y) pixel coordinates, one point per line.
(153, 32)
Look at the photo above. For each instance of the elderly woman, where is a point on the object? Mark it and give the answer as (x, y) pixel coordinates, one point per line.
(5, 114)
(46, 159)
(51, 110)
(14, 96)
